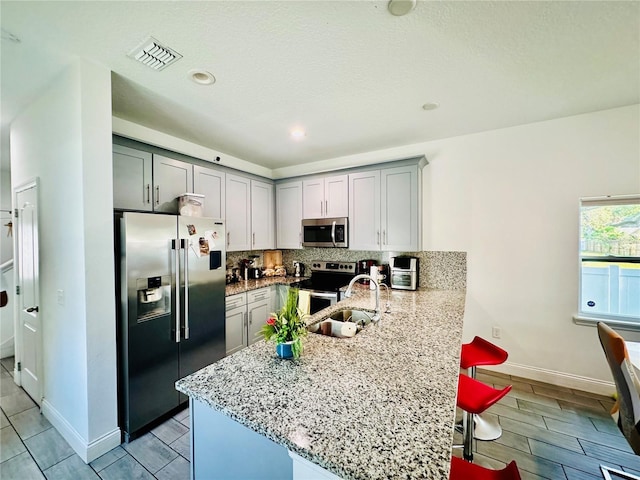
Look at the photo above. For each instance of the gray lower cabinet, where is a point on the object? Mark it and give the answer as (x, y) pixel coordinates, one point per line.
(246, 313)
(236, 323)
(132, 179)
(259, 307)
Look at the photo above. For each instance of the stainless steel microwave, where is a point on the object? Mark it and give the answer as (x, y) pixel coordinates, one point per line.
(325, 232)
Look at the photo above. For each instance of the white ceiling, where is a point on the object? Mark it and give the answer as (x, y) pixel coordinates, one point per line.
(354, 76)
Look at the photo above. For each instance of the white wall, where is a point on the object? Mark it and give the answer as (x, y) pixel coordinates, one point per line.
(510, 199)
(64, 138)
(6, 243)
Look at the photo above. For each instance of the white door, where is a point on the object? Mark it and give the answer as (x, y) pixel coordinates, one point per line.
(29, 351)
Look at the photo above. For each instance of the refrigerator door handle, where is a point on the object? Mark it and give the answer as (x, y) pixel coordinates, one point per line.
(175, 245)
(185, 245)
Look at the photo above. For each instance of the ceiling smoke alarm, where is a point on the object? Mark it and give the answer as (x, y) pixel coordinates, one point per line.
(154, 55)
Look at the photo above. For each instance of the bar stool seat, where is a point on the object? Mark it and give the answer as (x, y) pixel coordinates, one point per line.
(477, 353)
(462, 470)
(475, 397)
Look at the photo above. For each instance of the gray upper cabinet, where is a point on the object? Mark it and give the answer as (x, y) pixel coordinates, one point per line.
(384, 209)
(289, 215)
(261, 215)
(211, 184)
(238, 212)
(400, 209)
(171, 178)
(364, 211)
(325, 197)
(132, 179)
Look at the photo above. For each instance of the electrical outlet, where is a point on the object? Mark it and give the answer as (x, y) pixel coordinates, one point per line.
(60, 294)
(496, 332)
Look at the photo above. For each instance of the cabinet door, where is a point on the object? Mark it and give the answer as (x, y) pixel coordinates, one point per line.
(364, 211)
(238, 213)
(236, 329)
(336, 196)
(400, 209)
(258, 313)
(289, 215)
(211, 184)
(261, 215)
(171, 178)
(132, 181)
(313, 198)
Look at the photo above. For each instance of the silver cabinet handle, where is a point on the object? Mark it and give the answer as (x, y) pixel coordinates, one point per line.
(176, 247)
(245, 332)
(157, 194)
(300, 238)
(333, 233)
(384, 237)
(228, 238)
(321, 212)
(378, 235)
(254, 238)
(186, 288)
(148, 193)
(326, 207)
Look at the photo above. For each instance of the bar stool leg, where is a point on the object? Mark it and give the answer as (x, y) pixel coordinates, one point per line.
(484, 429)
(467, 451)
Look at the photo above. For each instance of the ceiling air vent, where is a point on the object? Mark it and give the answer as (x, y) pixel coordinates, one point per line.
(154, 55)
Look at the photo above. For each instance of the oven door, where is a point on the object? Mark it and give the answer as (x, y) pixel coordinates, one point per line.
(320, 300)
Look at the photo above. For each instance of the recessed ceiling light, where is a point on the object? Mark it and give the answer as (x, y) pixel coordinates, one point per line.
(430, 106)
(298, 133)
(401, 7)
(202, 77)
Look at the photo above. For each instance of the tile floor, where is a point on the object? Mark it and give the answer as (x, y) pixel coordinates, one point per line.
(30, 448)
(553, 433)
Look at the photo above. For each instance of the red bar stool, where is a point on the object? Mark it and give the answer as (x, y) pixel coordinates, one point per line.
(474, 397)
(461, 470)
(477, 353)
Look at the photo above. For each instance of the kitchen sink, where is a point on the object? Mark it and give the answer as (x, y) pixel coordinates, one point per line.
(342, 324)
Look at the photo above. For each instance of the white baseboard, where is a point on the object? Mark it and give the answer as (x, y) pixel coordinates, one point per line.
(86, 451)
(552, 377)
(7, 348)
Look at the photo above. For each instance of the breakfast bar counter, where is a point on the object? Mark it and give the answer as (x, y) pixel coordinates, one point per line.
(378, 405)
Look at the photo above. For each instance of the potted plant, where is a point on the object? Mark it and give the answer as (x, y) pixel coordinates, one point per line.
(287, 327)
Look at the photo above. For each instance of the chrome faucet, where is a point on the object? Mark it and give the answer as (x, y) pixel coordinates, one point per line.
(376, 315)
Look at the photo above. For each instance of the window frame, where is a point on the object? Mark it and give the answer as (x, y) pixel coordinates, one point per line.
(586, 318)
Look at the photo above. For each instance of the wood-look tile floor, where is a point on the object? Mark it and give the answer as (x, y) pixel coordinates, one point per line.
(551, 432)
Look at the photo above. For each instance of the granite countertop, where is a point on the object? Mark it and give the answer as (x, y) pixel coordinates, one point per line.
(376, 406)
(247, 285)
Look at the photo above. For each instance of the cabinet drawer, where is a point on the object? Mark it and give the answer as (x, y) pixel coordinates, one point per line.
(258, 295)
(235, 301)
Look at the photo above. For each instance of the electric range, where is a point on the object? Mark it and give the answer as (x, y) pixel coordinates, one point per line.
(327, 277)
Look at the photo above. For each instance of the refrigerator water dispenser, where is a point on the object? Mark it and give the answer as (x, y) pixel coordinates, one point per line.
(154, 297)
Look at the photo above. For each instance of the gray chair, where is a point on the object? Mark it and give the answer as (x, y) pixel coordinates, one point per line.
(626, 411)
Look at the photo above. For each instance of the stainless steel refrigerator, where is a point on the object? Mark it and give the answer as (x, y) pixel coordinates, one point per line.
(171, 320)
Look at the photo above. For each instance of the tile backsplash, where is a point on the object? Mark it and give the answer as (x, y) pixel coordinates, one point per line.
(438, 270)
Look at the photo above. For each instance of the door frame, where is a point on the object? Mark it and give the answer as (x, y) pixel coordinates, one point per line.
(17, 374)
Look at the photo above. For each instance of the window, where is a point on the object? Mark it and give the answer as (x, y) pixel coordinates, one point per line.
(610, 258)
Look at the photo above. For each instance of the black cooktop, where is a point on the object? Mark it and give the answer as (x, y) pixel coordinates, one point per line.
(328, 276)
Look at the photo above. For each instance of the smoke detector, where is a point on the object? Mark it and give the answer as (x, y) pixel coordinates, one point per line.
(154, 55)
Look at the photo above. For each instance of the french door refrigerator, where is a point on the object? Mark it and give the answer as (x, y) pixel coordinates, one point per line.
(171, 320)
